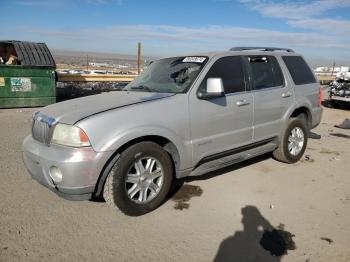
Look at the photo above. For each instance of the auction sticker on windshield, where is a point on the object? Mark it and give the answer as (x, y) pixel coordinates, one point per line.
(194, 59)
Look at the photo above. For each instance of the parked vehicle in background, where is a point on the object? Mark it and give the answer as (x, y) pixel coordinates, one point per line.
(339, 91)
(27, 75)
(183, 116)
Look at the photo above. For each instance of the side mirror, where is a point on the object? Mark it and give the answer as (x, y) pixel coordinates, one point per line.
(214, 89)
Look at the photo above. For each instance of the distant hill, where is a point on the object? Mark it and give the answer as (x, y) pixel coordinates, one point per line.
(70, 57)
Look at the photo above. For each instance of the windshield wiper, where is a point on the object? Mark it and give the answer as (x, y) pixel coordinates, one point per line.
(141, 87)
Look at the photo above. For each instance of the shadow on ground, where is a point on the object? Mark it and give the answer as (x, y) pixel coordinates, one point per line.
(181, 192)
(258, 241)
(336, 104)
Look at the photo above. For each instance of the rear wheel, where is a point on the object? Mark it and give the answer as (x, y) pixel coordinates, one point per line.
(140, 180)
(293, 142)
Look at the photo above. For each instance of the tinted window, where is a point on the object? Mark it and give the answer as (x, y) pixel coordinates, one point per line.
(299, 70)
(266, 72)
(230, 70)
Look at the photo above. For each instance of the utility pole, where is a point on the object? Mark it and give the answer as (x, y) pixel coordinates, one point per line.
(139, 58)
(333, 68)
(87, 62)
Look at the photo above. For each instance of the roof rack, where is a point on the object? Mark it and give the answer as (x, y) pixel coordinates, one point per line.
(242, 48)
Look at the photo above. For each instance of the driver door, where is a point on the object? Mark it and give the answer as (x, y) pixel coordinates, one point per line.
(220, 124)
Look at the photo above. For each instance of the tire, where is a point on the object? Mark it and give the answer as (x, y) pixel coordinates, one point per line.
(129, 167)
(282, 153)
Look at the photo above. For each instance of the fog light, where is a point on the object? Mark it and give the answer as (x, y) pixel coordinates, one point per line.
(56, 174)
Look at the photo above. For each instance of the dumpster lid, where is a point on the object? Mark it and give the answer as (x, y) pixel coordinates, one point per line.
(32, 54)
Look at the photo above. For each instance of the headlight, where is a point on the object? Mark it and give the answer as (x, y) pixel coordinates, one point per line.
(69, 135)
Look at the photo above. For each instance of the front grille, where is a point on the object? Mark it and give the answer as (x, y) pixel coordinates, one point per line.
(41, 128)
(40, 131)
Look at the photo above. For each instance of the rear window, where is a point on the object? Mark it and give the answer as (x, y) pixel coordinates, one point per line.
(299, 70)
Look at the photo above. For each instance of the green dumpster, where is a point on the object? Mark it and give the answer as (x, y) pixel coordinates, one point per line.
(27, 75)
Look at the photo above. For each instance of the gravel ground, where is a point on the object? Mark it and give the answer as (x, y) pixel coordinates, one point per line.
(223, 213)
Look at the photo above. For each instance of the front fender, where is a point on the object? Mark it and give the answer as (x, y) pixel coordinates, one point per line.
(119, 139)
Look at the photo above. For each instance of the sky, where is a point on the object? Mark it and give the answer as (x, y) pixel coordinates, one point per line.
(318, 29)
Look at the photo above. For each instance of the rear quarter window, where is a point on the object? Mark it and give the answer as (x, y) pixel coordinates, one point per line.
(299, 70)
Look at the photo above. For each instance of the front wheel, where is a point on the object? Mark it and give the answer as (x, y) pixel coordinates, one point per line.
(140, 180)
(293, 142)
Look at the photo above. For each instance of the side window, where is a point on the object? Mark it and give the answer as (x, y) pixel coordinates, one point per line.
(299, 70)
(266, 72)
(230, 70)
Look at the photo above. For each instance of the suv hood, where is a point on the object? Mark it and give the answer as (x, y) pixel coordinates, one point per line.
(71, 111)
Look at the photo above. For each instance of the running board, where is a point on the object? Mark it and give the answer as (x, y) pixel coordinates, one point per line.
(235, 158)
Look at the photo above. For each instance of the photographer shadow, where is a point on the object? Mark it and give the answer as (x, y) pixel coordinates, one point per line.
(245, 245)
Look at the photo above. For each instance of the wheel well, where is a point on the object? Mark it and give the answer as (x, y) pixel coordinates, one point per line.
(303, 113)
(165, 143)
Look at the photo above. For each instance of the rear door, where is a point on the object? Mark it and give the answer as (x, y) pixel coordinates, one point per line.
(220, 124)
(272, 96)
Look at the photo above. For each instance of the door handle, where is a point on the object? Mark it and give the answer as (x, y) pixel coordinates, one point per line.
(242, 102)
(287, 94)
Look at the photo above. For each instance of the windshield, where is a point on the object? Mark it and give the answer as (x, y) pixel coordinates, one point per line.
(169, 75)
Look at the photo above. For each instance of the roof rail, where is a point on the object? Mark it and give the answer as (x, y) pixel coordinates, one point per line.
(246, 48)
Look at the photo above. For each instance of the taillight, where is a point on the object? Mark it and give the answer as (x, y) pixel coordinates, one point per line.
(320, 97)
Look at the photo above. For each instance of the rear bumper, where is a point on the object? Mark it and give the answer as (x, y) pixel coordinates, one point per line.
(340, 98)
(80, 167)
(316, 116)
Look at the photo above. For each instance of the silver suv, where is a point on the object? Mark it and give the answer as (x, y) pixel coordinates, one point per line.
(183, 116)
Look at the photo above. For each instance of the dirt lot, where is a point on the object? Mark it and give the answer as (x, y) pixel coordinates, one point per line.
(224, 219)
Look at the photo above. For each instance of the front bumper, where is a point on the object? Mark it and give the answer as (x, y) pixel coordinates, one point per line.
(80, 167)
